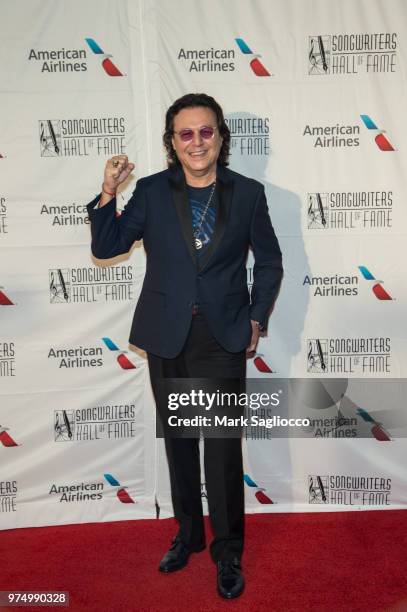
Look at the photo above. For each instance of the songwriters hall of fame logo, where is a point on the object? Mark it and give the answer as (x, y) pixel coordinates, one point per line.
(319, 54)
(318, 215)
(91, 284)
(347, 211)
(82, 137)
(249, 135)
(8, 496)
(349, 355)
(59, 286)
(50, 138)
(318, 489)
(64, 425)
(7, 359)
(3, 216)
(107, 422)
(352, 54)
(349, 490)
(317, 356)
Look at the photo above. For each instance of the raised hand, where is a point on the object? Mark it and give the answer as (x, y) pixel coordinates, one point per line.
(117, 170)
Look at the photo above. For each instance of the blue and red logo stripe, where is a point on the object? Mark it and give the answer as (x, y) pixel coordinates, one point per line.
(108, 66)
(255, 64)
(377, 288)
(260, 494)
(121, 493)
(382, 142)
(4, 299)
(6, 439)
(377, 429)
(123, 361)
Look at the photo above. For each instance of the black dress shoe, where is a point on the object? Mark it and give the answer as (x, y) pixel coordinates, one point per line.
(230, 579)
(177, 557)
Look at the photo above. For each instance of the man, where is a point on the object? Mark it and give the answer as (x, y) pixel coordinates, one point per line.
(194, 317)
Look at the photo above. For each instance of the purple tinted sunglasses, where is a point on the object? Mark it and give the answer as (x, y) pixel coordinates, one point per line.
(207, 132)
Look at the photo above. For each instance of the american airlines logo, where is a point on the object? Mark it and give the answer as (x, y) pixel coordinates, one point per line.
(108, 66)
(377, 288)
(259, 492)
(380, 139)
(377, 429)
(255, 64)
(123, 361)
(121, 492)
(4, 299)
(5, 438)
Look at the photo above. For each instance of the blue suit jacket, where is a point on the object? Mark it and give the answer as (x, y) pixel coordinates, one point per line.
(159, 213)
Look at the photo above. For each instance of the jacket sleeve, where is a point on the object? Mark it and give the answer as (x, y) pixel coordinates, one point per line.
(268, 269)
(111, 234)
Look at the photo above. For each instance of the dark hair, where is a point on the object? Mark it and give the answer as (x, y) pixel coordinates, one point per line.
(192, 101)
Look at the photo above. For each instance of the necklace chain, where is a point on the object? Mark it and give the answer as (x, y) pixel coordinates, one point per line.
(197, 231)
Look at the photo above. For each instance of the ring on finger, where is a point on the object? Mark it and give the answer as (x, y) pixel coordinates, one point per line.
(115, 163)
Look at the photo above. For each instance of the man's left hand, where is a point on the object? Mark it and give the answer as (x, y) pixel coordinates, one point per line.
(255, 337)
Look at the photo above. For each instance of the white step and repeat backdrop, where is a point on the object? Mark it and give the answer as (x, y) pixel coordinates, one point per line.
(315, 96)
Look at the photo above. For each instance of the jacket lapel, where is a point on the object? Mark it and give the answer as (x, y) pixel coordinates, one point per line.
(181, 203)
(224, 194)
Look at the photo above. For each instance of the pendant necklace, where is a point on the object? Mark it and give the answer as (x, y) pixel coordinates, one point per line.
(197, 230)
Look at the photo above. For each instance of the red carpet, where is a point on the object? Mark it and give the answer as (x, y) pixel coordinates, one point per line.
(293, 562)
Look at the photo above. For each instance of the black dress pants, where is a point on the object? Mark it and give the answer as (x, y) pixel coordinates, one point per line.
(203, 357)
